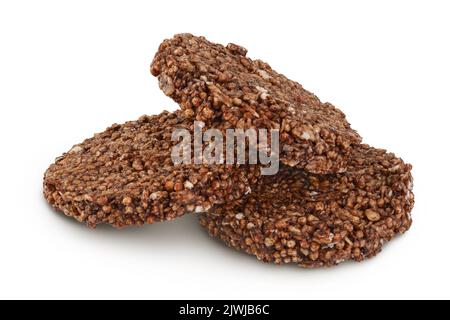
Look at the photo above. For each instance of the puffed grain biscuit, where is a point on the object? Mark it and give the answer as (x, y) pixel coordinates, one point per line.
(125, 176)
(211, 81)
(320, 220)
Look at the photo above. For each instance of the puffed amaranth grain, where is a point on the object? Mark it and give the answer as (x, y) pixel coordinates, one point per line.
(320, 220)
(211, 81)
(125, 176)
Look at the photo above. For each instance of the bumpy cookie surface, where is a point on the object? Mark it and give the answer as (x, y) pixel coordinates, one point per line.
(125, 176)
(320, 220)
(211, 81)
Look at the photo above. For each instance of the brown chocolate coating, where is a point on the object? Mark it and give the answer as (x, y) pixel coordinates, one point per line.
(125, 176)
(211, 81)
(320, 220)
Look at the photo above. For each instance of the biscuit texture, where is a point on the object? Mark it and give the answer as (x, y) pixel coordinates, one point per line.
(210, 81)
(125, 176)
(320, 220)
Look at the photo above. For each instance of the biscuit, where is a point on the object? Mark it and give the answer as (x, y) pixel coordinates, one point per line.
(320, 220)
(210, 81)
(125, 176)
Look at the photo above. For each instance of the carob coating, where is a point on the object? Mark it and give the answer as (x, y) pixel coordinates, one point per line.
(211, 81)
(320, 220)
(125, 176)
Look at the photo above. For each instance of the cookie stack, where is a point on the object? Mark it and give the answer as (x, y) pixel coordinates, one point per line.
(333, 198)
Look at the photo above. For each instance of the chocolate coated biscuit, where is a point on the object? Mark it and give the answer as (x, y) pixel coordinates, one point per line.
(125, 176)
(320, 220)
(211, 81)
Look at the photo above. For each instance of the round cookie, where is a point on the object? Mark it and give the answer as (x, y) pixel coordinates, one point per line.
(211, 81)
(320, 220)
(125, 176)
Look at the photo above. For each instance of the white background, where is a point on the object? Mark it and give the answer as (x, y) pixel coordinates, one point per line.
(72, 68)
